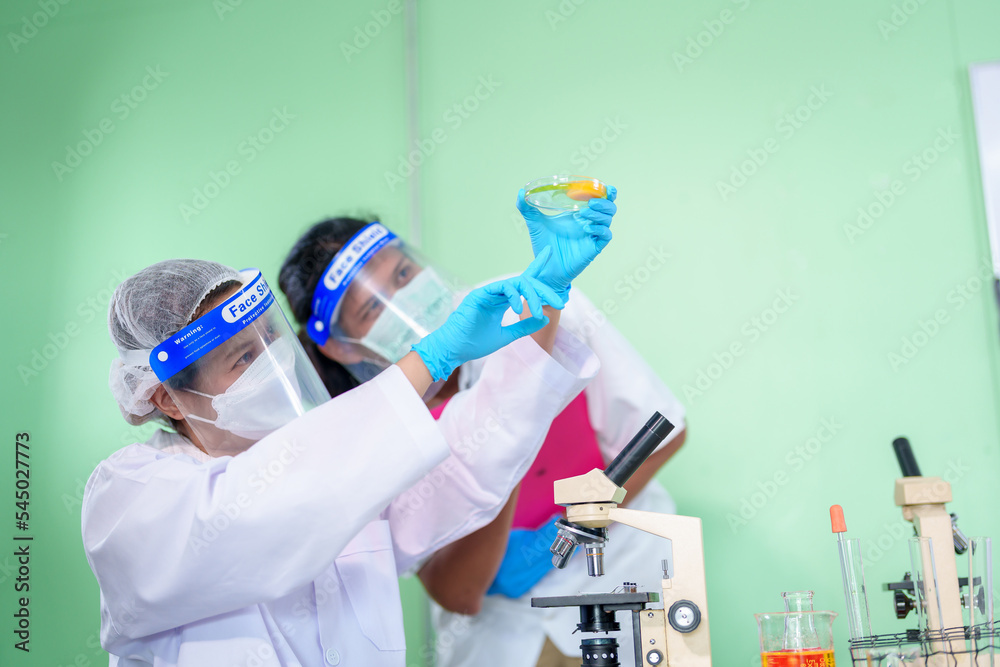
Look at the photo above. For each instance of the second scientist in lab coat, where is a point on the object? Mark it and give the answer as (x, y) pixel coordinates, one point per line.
(346, 343)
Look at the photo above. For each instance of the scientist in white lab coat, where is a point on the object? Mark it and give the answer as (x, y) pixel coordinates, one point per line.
(482, 584)
(268, 525)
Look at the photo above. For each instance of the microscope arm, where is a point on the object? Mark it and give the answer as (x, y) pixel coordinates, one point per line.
(685, 530)
(686, 582)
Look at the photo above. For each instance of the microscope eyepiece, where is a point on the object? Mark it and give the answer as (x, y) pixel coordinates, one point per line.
(904, 454)
(638, 449)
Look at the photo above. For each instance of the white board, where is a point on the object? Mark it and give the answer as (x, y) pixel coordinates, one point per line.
(985, 80)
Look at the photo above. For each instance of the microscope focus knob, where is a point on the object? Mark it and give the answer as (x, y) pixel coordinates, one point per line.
(904, 604)
(684, 616)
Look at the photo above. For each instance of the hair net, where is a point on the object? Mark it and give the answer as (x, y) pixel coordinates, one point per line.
(145, 310)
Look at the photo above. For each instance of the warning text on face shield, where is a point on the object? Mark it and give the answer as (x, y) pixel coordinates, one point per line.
(22, 541)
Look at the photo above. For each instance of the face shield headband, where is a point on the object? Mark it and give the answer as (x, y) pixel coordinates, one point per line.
(213, 328)
(338, 276)
(237, 373)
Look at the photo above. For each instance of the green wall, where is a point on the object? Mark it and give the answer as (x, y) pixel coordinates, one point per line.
(580, 86)
(65, 243)
(665, 132)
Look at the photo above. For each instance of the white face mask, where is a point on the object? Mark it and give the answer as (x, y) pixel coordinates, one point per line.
(262, 400)
(415, 310)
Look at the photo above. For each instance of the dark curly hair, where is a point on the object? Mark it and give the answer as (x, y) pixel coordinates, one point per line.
(301, 272)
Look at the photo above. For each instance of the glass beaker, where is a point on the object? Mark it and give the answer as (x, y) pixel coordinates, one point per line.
(796, 638)
(553, 195)
(800, 632)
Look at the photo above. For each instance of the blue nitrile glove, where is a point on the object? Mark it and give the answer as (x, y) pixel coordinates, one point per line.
(474, 330)
(576, 238)
(526, 561)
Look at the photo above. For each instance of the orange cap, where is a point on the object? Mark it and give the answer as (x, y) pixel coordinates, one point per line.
(837, 519)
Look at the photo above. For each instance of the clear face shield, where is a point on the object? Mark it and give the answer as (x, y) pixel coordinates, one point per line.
(238, 372)
(377, 298)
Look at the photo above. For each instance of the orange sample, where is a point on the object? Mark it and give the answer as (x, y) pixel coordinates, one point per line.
(807, 658)
(585, 190)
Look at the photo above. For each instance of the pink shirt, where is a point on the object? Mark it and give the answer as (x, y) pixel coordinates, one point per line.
(570, 449)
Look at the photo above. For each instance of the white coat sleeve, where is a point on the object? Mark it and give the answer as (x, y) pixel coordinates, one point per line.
(626, 391)
(172, 540)
(494, 429)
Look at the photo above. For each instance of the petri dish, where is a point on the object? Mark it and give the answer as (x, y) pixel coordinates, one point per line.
(553, 195)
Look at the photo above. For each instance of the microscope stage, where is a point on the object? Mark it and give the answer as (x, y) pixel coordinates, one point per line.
(621, 600)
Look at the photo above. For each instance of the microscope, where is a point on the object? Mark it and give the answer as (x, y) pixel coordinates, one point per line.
(935, 590)
(955, 614)
(675, 635)
(922, 500)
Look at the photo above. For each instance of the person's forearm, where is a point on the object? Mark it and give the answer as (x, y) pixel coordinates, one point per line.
(546, 336)
(416, 372)
(458, 576)
(649, 468)
(480, 476)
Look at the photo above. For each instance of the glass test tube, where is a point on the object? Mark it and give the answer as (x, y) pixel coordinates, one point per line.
(852, 570)
(925, 588)
(981, 601)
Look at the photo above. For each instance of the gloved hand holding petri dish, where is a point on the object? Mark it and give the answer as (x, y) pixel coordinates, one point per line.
(572, 215)
(554, 195)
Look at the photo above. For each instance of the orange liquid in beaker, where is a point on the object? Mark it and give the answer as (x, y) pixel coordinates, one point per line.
(806, 658)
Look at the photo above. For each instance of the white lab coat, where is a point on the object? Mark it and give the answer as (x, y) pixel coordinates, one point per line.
(620, 399)
(288, 553)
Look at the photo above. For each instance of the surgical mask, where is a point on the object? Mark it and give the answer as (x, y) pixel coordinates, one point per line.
(415, 310)
(261, 400)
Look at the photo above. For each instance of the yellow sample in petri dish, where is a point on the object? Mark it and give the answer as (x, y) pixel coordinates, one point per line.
(553, 195)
